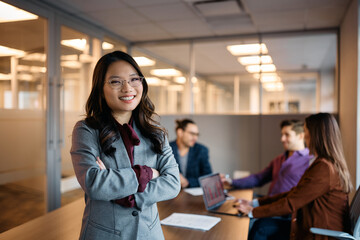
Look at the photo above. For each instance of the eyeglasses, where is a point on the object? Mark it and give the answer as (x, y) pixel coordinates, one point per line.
(194, 134)
(117, 83)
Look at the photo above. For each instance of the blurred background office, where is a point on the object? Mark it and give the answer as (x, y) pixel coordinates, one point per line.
(236, 67)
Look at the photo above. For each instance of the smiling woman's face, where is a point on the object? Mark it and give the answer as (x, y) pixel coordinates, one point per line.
(124, 100)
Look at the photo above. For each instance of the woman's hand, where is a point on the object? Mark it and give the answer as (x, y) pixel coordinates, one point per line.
(243, 206)
(100, 164)
(155, 173)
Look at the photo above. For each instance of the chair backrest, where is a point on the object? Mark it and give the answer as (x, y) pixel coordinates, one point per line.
(354, 214)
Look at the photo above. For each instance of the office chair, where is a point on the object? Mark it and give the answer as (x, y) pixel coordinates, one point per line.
(354, 221)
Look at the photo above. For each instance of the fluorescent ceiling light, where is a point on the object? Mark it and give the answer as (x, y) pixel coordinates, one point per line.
(194, 80)
(10, 13)
(33, 69)
(41, 57)
(79, 44)
(180, 80)
(71, 57)
(263, 68)
(271, 87)
(251, 60)
(5, 51)
(25, 77)
(5, 76)
(178, 88)
(267, 77)
(107, 46)
(144, 61)
(166, 72)
(247, 49)
(154, 81)
(71, 64)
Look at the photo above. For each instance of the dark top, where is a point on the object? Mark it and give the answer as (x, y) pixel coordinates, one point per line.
(143, 173)
(198, 162)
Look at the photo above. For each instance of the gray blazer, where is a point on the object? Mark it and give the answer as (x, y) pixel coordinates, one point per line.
(105, 220)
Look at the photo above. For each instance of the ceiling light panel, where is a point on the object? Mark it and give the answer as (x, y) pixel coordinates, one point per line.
(10, 13)
(261, 68)
(247, 49)
(252, 60)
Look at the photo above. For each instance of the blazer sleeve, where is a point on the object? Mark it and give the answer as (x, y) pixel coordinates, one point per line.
(315, 182)
(98, 184)
(255, 180)
(164, 187)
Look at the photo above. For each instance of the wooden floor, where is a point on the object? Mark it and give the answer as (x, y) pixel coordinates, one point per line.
(20, 203)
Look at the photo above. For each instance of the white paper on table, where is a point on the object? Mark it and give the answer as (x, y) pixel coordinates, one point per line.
(196, 191)
(193, 221)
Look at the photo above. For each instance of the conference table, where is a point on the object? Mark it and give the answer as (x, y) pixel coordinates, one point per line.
(65, 222)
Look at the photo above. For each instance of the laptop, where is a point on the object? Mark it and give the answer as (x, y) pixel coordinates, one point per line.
(215, 197)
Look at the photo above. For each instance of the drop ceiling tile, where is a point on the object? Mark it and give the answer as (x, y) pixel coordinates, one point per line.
(325, 16)
(141, 32)
(273, 6)
(119, 16)
(141, 3)
(186, 28)
(280, 18)
(176, 11)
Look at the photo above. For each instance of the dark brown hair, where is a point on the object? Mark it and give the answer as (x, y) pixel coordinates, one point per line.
(181, 124)
(326, 143)
(99, 114)
(296, 125)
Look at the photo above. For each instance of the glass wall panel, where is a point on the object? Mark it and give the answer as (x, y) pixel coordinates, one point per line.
(279, 74)
(228, 87)
(169, 84)
(22, 117)
(79, 53)
(304, 80)
(110, 45)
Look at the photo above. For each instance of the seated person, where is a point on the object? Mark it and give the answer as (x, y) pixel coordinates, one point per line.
(192, 157)
(320, 199)
(284, 171)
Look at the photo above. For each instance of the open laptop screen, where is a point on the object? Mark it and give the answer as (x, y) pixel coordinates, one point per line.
(213, 190)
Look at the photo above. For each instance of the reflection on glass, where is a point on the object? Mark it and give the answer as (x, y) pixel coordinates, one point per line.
(22, 116)
(76, 68)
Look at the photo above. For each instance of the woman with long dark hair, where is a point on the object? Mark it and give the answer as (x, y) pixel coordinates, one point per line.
(320, 199)
(121, 155)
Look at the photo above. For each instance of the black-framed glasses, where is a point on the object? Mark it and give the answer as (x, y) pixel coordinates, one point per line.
(117, 83)
(194, 134)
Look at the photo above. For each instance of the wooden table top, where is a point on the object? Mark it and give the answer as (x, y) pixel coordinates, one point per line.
(230, 227)
(65, 223)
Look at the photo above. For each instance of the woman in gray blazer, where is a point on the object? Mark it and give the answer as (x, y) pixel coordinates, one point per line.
(121, 155)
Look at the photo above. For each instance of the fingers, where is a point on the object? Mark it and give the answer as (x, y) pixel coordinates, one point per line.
(100, 163)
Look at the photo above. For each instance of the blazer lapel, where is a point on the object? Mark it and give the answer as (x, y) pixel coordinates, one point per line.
(121, 157)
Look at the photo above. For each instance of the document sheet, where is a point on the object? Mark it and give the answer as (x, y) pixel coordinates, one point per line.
(196, 191)
(193, 221)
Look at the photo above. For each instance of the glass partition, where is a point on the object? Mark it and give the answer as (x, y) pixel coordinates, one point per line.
(294, 73)
(79, 53)
(22, 116)
(169, 86)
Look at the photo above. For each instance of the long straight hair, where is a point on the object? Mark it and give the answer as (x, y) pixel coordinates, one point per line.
(99, 114)
(326, 143)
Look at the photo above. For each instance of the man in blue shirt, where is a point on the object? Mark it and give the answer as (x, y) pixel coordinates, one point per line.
(192, 157)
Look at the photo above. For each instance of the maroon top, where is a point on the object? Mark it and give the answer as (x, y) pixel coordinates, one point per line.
(143, 173)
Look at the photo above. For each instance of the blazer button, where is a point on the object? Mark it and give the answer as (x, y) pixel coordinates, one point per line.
(135, 213)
